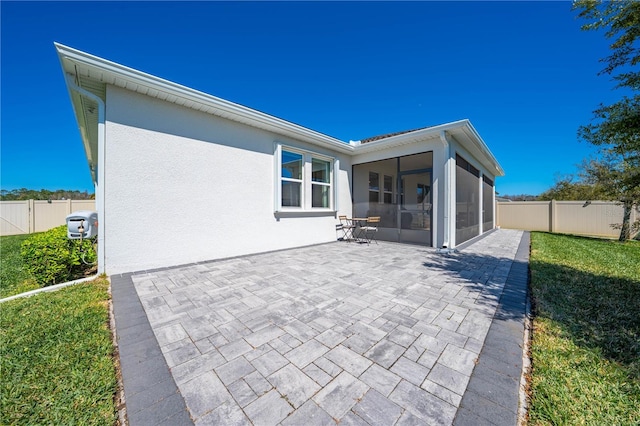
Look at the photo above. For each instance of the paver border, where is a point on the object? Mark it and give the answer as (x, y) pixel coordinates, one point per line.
(152, 396)
(150, 392)
(493, 393)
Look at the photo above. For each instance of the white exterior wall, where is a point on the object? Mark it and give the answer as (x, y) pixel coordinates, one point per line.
(183, 186)
(440, 156)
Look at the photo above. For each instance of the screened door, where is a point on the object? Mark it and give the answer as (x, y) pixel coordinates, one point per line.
(415, 208)
(399, 191)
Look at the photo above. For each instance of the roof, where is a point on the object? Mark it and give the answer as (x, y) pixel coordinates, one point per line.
(461, 131)
(92, 74)
(388, 135)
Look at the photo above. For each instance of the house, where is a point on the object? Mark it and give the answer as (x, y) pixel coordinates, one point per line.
(182, 176)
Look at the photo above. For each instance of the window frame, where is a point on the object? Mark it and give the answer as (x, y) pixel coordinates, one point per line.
(322, 184)
(307, 182)
(293, 180)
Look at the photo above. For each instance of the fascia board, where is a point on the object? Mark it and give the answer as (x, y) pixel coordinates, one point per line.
(120, 75)
(471, 137)
(407, 138)
(479, 143)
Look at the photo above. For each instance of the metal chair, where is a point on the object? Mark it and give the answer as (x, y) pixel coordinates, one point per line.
(370, 230)
(347, 227)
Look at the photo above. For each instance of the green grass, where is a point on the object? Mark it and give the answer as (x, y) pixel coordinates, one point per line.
(14, 278)
(586, 338)
(56, 358)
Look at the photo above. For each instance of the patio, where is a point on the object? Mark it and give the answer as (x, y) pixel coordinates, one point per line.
(335, 333)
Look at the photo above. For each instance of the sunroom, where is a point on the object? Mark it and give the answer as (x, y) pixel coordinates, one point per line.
(432, 186)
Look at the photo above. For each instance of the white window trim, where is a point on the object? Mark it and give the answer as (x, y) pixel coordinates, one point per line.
(307, 183)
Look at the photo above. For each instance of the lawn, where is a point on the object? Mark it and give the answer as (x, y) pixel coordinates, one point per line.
(14, 279)
(586, 331)
(56, 354)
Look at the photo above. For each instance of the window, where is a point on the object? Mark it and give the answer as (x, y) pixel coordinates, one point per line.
(423, 194)
(388, 190)
(374, 187)
(306, 180)
(320, 183)
(291, 179)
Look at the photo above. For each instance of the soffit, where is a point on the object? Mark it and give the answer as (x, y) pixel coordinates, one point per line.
(86, 110)
(473, 143)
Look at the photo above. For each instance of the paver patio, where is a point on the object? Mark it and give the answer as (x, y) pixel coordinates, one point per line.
(336, 333)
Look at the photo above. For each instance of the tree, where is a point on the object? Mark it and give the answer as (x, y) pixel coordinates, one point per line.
(44, 194)
(621, 21)
(570, 188)
(616, 127)
(520, 197)
(617, 180)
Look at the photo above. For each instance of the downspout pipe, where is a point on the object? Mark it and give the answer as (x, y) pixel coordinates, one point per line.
(447, 190)
(100, 173)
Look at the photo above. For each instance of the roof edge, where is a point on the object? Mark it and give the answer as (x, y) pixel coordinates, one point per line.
(407, 137)
(254, 118)
(137, 77)
(484, 148)
(433, 131)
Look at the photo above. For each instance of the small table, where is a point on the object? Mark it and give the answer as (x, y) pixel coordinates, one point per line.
(358, 223)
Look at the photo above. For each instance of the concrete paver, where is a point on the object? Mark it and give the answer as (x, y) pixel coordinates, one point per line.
(375, 409)
(340, 395)
(381, 334)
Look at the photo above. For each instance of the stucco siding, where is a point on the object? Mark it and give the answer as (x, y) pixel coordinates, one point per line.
(183, 186)
(439, 190)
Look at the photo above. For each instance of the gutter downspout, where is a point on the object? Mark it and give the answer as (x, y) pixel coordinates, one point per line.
(99, 175)
(447, 190)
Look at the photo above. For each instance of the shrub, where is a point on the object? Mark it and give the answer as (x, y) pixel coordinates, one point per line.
(14, 277)
(52, 258)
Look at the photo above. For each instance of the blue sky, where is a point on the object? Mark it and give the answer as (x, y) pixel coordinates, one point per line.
(522, 72)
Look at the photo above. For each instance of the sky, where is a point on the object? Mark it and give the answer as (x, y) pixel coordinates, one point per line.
(523, 73)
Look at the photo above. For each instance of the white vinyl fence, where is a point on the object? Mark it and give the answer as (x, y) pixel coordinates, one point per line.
(595, 218)
(26, 217)
(570, 217)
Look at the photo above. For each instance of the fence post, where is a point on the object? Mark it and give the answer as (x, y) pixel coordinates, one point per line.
(31, 218)
(552, 216)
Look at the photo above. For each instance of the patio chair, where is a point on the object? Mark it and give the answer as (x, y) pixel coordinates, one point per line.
(347, 227)
(370, 230)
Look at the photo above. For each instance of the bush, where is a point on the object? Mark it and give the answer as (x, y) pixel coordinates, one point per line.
(14, 277)
(52, 258)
